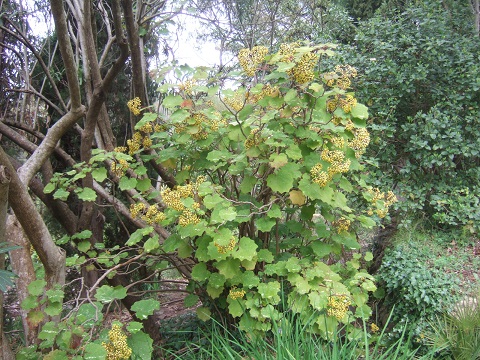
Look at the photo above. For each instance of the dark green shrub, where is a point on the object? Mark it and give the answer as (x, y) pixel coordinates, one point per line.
(417, 290)
(419, 76)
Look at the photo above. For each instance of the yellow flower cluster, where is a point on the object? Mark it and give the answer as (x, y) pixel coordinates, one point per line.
(338, 163)
(342, 225)
(374, 328)
(253, 139)
(319, 176)
(236, 294)
(388, 200)
(188, 217)
(338, 141)
(236, 102)
(147, 128)
(120, 149)
(337, 306)
(134, 105)
(267, 90)
(360, 142)
(250, 59)
(340, 77)
(346, 102)
(224, 249)
(151, 215)
(119, 167)
(138, 140)
(187, 86)
(288, 51)
(134, 143)
(173, 199)
(117, 348)
(303, 72)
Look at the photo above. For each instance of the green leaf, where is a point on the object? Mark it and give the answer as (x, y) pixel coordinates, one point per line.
(94, 351)
(49, 332)
(106, 293)
(140, 170)
(211, 201)
(6, 280)
(84, 246)
(203, 313)
(56, 355)
(368, 256)
(200, 272)
(127, 183)
(86, 194)
(247, 184)
(359, 111)
(265, 224)
(30, 302)
(48, 188)
(235, 308)
(144, 308)
(282, 180)
(366, 221)
(265, 255)
(315, 191)
(61, 194)
(36, 287)
(85, 234)
(35, 317)
(269, 291)
(141, 345)
(294, 152)
(134, 326)
(146, 118)
(278, 160)
(53, 308)
(229, 268)
(138, 235)
(171, 101)
(88, 314)
(247, 249)
(143, 185)
(249, 279)
(321, 249)
(190, 300)
(151, 244)
(275, 212)
(99, 174)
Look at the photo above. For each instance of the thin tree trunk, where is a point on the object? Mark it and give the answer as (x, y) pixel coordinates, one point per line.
(5, 349)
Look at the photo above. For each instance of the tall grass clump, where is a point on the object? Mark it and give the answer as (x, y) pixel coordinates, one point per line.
(290, 339)
(456, 334)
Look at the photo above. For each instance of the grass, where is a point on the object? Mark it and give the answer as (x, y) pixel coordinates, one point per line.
(289, 340)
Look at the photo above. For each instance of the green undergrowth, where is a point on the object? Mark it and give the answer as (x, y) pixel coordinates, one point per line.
(290, 339)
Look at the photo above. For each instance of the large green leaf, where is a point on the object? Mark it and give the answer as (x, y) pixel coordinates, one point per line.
(94, 351)
(229, 268)
(144, 308)
(247, 249)
(106, 293)
(141, 345)
(283, 179)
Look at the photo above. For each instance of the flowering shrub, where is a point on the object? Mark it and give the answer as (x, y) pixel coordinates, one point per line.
(259, 209)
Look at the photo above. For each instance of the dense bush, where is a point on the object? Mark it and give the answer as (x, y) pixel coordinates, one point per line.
(416, 289)
(419, 76)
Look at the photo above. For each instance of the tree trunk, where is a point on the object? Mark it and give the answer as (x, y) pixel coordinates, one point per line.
(22, 265)
(5, 350)
(51, 256)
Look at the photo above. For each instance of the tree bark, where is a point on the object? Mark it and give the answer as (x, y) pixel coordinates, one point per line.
(51, 256)
(5, 349)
